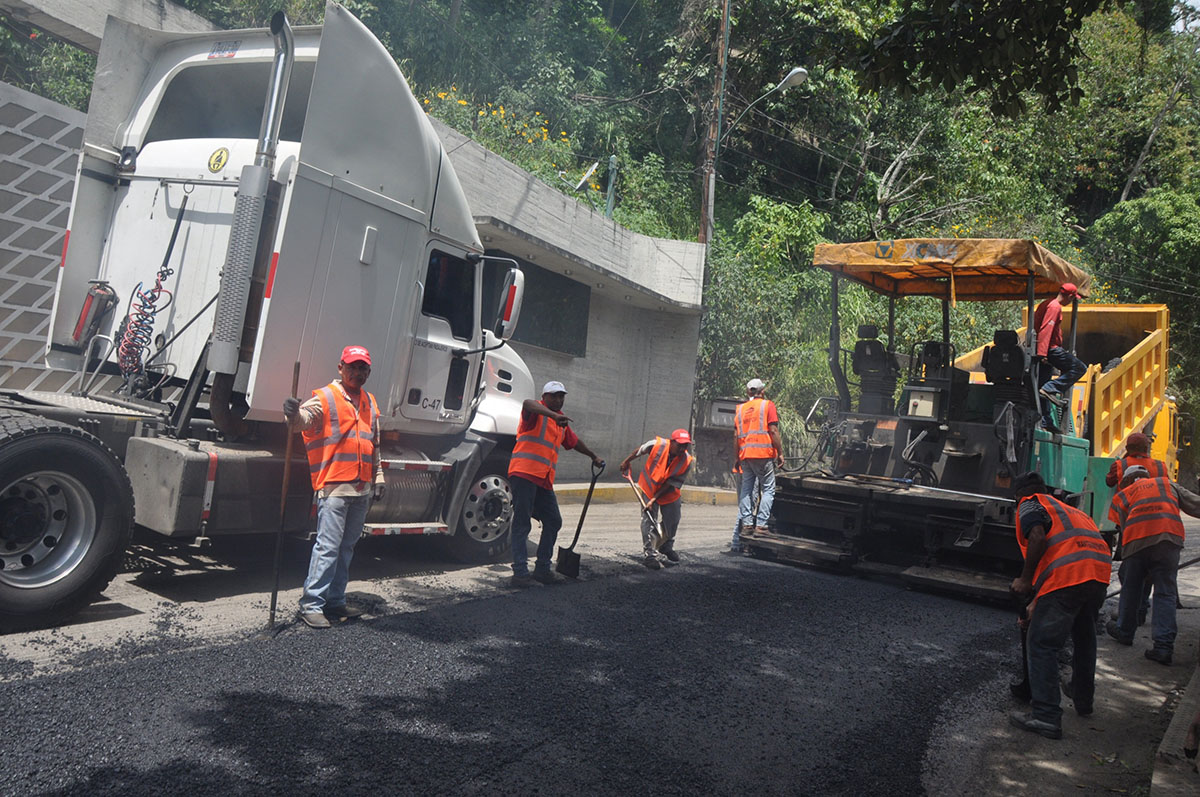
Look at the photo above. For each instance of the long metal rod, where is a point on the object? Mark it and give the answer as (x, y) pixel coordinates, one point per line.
(283, 495)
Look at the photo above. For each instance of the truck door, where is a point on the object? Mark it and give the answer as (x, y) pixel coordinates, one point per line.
(439, 383)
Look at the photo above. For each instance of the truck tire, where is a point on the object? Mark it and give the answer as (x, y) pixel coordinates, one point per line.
(66, 518)
(482, 534)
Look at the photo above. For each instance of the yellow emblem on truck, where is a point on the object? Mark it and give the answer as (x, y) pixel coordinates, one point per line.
(217, 160)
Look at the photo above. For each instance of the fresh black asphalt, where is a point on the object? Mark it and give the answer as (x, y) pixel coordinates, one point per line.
(720, 675)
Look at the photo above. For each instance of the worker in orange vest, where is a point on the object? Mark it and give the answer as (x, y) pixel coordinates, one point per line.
(340, 427)
(759, 451)
(1147, 510)
(542, 430)
(1137, 452)
(1066, 572)
(667, 463)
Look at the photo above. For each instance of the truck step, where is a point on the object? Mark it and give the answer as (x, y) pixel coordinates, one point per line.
(415, 464)
(390, 529)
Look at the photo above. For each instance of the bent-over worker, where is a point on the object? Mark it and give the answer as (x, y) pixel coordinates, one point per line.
(1067, 568)
(667, 463)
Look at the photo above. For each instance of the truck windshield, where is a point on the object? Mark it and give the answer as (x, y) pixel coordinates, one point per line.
(225, 100)
(450, 293)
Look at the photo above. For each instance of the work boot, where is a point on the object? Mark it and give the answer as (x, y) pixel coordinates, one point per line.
(1115, 633)
(652, 563)
(1161, 656)
(1055, 398)
(547, 577)
(761, 530)
(315, 619)
(343, 612)
(1051, 426)
(1026, 722)
(521, 580)
(669, 552)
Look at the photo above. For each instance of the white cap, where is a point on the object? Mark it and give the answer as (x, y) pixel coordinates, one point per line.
(554, 387)
(755, 384)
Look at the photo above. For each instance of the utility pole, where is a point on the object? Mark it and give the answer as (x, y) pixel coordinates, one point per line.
(714, 133)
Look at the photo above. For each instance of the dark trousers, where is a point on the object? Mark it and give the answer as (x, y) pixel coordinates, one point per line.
(1157, 565)
(531, 502)
(1070, 611)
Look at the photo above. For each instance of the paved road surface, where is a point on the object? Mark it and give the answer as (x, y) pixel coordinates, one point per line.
(720, 675)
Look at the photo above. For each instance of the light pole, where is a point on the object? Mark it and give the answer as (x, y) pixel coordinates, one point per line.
(793, 78)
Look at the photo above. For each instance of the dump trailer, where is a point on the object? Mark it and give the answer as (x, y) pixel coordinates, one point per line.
(911, 471)
(246, 204)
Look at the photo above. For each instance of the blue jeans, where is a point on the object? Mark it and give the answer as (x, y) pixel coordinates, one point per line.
(339, 525)
(756, 474)
(1070, 368)
(1158, 564)
(530, 502)
(1070, 611)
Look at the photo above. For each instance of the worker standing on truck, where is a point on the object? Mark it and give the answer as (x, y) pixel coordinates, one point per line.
(1047, 320)
(1067, 568)
(1147, 510)
(759, 452)
(340, 427)
(1137, 452)
(667, 464)
(543, 428)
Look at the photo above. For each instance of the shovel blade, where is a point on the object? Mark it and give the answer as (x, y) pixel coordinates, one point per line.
(567, 563)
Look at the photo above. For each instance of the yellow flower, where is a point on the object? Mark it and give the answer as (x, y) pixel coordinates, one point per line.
(462, 102)
(441, 95)
(481, 113)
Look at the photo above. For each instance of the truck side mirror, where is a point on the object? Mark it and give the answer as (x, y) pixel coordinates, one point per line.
(510, 304)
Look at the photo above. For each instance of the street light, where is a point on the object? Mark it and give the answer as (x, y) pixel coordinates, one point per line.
(793, 78)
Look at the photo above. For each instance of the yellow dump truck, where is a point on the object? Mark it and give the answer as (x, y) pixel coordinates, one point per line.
(911, 471)
(1123, 391)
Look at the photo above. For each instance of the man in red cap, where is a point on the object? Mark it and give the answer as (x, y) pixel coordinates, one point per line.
(1047, 320)
(340, 426)
(667, 463)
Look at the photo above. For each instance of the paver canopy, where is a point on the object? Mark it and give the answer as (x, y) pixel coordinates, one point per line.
(970, 269)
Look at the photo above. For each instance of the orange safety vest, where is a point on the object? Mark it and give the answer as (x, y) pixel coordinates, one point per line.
(659, 468)
(536, 451)
(343, 450)
(1156, 467)
(1147, 512)
(750, 426)
(1075, 551)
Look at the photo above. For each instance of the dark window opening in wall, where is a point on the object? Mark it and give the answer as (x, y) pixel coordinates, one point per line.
(450, 293)
(554, 314)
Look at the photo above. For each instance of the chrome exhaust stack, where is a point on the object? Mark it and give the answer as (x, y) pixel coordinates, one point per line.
(248, 211)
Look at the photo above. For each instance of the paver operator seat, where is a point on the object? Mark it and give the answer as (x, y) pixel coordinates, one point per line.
(876, 369)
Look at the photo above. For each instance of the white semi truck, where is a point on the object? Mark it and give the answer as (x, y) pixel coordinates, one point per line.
(246, 204)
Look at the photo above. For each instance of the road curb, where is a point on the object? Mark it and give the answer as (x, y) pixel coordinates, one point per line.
(576, 492)
(1174, 774)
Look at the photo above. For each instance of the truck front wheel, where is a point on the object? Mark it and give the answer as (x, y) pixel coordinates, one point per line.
(486, 519)
(66, 518)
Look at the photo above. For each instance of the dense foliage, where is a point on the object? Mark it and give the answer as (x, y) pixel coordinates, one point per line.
(1070, 123)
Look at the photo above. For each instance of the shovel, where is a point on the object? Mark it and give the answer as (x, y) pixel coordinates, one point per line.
(658, 532)
(568, 561)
